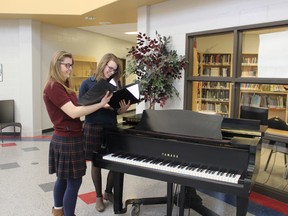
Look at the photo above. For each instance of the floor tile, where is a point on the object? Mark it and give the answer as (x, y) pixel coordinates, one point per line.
(47, 186)
(9, 166)
(8, 144)
(88, 197)
(30, 149)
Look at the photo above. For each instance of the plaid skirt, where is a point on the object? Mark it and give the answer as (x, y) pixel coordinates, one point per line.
(93, 139)
(66, 157)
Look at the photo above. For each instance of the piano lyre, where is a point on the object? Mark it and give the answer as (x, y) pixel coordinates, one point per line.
(186, 148)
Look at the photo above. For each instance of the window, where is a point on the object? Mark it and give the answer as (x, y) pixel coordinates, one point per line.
(239, 67)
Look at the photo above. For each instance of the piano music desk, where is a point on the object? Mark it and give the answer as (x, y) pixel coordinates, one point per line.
(274, 136)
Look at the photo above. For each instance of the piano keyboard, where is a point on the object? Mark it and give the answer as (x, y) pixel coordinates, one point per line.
(183, 168)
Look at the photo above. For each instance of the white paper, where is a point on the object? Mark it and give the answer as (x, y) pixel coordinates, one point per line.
(134, 89)
(273, 55)
(112, 81)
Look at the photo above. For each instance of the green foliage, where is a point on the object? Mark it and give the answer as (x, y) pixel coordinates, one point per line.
(156, 68)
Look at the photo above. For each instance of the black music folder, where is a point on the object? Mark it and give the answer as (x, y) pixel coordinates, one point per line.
(97, 92)
(130, 92)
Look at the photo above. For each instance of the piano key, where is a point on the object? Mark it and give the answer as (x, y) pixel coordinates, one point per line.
(190, 169)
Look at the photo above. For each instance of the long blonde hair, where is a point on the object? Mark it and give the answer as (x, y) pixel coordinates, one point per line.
(55, 71)
(102, 64)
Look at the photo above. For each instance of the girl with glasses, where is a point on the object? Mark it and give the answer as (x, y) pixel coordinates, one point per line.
(108, 68)
(66, 152)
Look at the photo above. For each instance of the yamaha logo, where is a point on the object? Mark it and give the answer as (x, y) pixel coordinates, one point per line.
(170, 155)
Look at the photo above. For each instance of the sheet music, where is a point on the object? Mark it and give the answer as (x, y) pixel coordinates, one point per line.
(134, 89)
(112, 81)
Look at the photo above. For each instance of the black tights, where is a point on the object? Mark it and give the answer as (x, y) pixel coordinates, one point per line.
(97, 181)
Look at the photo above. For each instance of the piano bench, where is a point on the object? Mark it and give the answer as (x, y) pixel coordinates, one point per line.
(275, 136)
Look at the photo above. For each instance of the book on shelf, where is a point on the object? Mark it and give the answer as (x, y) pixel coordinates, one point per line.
(249, 73)
(206, 71)
(225, 72)
(215, 71)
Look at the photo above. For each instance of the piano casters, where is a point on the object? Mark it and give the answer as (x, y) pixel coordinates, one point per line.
(136, 203)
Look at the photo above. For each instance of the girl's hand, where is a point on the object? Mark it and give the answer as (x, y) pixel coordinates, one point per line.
(107, 106)
(105, 100)
(123, 106)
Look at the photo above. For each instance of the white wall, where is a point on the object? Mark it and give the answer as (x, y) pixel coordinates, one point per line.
(78, 42)
(26, 49)
(26, 46)
(178, 17)
(20, 73)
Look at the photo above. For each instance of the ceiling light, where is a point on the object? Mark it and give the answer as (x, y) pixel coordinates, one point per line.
(104, 23)
(131, 33)
(90, 18)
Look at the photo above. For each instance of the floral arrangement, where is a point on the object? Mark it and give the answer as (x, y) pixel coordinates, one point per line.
(156, 68)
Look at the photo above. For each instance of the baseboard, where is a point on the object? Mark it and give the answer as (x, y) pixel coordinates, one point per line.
(11, 133)
(273, 193)
(47, 130)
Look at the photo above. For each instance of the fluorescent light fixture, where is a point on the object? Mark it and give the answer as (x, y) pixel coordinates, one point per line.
(104, 23)
(90, 18)
(131, 33)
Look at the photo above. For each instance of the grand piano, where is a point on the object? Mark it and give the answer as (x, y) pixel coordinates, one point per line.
(187, 148)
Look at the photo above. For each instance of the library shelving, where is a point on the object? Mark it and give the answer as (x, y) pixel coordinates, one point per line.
(83, 68)
(273, 97)
(249, 65)
(212, 97)
(213, 65)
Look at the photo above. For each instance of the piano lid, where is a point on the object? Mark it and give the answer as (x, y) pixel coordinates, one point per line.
(181, 122)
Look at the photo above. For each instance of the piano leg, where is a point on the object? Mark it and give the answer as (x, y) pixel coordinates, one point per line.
(181, 200)
(242, 205)
(118, 193)
(169, 198)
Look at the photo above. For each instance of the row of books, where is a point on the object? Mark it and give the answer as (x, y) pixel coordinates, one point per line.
(262, 87)
(224, 59)
(269, 101)
(212, 107)
(215, 85)
(249, 60)
(250, 73)
(216, 71)
(220, 95)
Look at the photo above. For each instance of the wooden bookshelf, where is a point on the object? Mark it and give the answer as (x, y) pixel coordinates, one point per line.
(273, 97)
(83, 68)
(249, 65)
(213, 65)
(212, 97)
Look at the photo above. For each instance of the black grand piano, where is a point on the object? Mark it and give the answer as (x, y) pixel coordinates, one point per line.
(187, 148)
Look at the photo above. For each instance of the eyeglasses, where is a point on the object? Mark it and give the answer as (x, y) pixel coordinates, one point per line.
(111, 69)
(67, 65)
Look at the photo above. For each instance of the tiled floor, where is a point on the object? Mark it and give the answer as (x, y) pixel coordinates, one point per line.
(26, 188)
